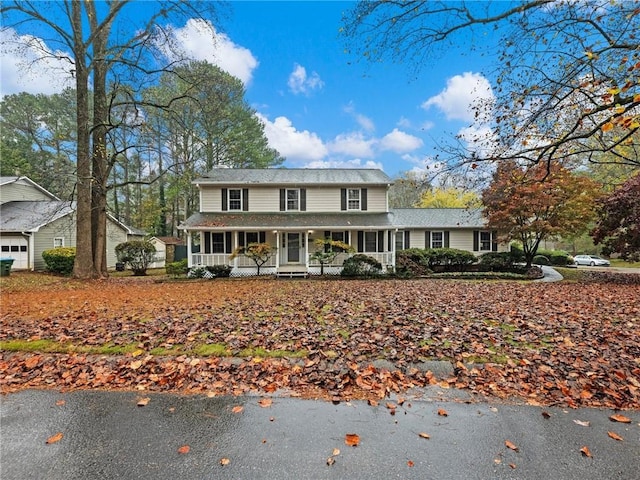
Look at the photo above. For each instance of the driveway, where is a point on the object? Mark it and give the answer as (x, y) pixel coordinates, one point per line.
(106, 435)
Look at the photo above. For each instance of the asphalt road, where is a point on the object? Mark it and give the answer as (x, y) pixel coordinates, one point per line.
(106, 435)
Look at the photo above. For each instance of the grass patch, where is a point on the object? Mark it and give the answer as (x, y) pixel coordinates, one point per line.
(570, 274)
(263, 353)
(212, 350)
(51, 346)
(618, 262)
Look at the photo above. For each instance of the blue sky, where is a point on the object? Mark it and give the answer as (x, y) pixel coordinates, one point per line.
(321, 106)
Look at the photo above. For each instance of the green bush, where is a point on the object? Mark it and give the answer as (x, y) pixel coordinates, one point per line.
(210, 272)
(220, 270)
(449, 259)
(541, 260)
(361, 265)
(497, 262)
(412, 262)
(177, 268)
(138, 254)
(60, 260)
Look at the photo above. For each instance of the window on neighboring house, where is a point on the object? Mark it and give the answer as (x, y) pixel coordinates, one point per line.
(485, 241)
(353, 199)
(293, 199)
(437, 239)
(400, 240)
(370, 241)
(58, 242)
(235, 198)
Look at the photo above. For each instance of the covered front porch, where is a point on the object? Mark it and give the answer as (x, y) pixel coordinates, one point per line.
(292, 250)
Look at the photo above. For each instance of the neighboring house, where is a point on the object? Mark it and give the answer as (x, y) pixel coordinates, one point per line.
(166, 250)
(290, 208)
(33, 220)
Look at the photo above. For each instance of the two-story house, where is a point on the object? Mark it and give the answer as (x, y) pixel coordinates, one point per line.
(291, 208)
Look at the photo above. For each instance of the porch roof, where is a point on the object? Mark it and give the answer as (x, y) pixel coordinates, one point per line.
(286, 221)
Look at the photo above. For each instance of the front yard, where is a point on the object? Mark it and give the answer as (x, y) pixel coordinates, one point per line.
(571, 343)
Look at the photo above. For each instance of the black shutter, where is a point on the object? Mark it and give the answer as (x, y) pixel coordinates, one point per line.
(327, 234)
(427, 239)
(476, 240)
(262, 237)
(494, 241)
(283, 199)
(360, 241)
(407, 235)
(227, 241)
(245, 199)
(346, 237)
(241, 239)
(343, 199)
(390, 239)
(303, 199)
(207, 242)
(363, 199)
(446, 239)
(380, 241)
(224, 200)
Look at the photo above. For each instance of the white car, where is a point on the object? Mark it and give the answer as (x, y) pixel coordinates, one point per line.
(591, 260)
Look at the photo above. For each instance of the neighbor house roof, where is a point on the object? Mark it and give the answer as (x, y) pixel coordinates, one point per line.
(27, 216)
(295, 176)
(10, 180)
(401, 218)
(170, 240)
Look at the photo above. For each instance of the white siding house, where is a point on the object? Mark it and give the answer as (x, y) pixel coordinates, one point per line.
(291, 208)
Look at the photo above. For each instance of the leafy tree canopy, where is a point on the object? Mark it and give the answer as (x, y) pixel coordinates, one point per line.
(450, 197)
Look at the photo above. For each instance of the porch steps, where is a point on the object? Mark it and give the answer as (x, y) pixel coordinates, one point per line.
(292, 273)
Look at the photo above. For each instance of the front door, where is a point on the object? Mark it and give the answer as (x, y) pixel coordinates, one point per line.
(293, 248)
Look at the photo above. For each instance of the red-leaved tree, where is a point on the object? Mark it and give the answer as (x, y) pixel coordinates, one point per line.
(542, 202)
(618, 226)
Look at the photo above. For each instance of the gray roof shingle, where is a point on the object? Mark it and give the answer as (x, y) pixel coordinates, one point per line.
(26, 216)
(295, 176)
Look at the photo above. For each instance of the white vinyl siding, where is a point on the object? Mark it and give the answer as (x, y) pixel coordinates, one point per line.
(20, 191)
(210, 199)
(323, 199)
(376, 199)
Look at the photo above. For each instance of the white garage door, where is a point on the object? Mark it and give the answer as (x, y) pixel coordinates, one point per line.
(16, 248)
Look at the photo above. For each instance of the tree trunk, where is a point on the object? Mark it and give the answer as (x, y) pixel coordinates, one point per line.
(83, 266)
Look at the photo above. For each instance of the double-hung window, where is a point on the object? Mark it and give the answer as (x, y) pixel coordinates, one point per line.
(293, 199)
(400, 240)
(235, 198)
(370, 241)
(251, 237)
(437, 239)
(58, 242)
(485, 241)
(217, 243)
(353, 199)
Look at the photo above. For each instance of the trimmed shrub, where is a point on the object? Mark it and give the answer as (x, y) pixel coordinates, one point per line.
(138, 254)
(449, 259)
(200, 272)
(541, 260)
(412, 262)
(220, 271)
(361, 265)
(497, 262)
(60, 260)
(177, 268)
(210, 272)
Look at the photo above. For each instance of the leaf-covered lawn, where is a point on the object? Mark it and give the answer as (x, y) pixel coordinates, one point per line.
(573, 344)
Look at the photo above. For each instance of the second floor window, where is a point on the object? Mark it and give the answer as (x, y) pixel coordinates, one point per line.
(353, 199)
(235, 199)
(293, 199)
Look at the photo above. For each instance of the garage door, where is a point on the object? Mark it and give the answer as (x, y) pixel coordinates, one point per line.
(16, 248)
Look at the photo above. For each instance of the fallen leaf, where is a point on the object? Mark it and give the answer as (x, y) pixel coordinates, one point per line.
(580, 422)
(442, 412)
(512, 465)
(237, 409)
(143, 401)
(400, 400)
(410, 463)
(372, 402)
(32, 362)
(390, 406)
(424, 435)
(224, 461)
(586, 452)
(336, 451)
(619, 418)
(615, 436)
(331, 461)
(184, 449)
(265, 402)
(352, 439)
(135, 365)
(55, 438)
(546, 415)
(511, 445)
(60, 403)
(271, 419)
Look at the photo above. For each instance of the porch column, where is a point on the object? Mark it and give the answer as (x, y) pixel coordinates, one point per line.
(189, 254)
(277, 232)
(307, 250)
(235, 245)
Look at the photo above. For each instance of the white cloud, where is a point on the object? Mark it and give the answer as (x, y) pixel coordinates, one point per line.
(353, 144)
(399, 142)
(29, 65)
(365, 122)
(462, 94)
(297, 146)
(300, 82)
(199, 40)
